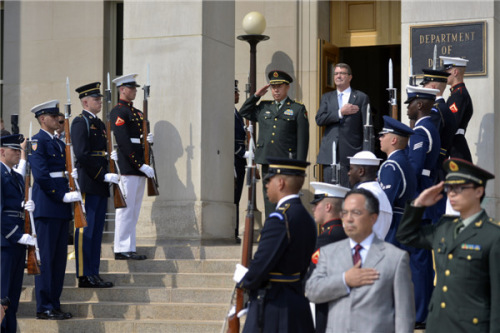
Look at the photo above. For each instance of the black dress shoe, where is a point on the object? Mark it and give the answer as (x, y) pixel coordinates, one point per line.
(129, 255)
(66, 315)
(92, 282)
(107, 284)
(50, 315)
(420, 326)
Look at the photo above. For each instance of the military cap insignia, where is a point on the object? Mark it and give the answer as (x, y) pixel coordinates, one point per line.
(315, 257)
(454, 108)
(275, 74)
(453, 166)
(119, 121)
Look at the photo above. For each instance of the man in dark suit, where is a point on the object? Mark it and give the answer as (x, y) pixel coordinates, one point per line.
(466, 298)
(343, 112)
(88, 136)
(126, 123)
(239, 159)
(366, 281)
(283, 125)
(13, 239)
(275, 276)
(52, 197)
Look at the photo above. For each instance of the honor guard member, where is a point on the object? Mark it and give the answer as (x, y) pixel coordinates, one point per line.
(52, 197)
(13, 238)
(239, 159)
(460, 104)
(363, 174)
(327, 206)
(466, 298)
(283, 125)
(275, 276)
(423, 153)
(126, 122)
(88, 136)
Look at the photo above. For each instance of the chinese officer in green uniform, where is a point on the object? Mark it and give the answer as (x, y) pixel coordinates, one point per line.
(283, 125)
(466, 298)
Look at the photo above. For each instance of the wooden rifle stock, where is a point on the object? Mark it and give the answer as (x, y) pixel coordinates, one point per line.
(152, 183)
(118, 198)
(32, 262)
(80, 220)
(394, 111)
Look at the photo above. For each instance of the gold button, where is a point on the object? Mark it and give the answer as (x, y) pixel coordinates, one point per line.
(445, 289)
(475, 321)
(443, 305)
(439, 250)
(447, 272)
(272, 141)
(273, 134)
(469, 257)
(274, 126)
(275, 119)
(450, 256)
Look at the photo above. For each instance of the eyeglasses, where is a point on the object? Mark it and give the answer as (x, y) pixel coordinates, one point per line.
(340, 73)
(355, 213)
(457, 189)
(61, 122)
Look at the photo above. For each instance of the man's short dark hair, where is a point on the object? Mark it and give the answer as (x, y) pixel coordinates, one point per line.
(345, 66)
(371, 202)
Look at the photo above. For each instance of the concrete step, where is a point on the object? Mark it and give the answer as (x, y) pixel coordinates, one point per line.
(99, 325)
(133, 294)
(140, 279)
(134, 311)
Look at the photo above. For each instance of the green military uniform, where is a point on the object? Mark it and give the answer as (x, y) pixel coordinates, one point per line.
(467, 294)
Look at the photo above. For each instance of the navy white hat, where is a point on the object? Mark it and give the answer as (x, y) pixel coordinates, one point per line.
(459, 171)
(12, 141)
(449, 62)
(286, 166)
(279, 77)
(325, 190)
(394, 126)
(126, 80)
(431, 75)
(50, 107)
(414, 92)
(364, 158)
(91, 89)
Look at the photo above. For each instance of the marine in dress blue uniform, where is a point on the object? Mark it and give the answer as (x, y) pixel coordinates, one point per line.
(275, 275)
(466, 250)
(88, 136)
(239, 159)
(283, 128)
(52, 197)
(460, 104)
(12, 229)
(331, 230)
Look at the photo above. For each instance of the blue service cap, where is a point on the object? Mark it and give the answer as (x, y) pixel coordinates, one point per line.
(91, 89)
(12, 141)
(50, 107)
(394, 126)
(415, 92)
(286, 166)
(431, 75)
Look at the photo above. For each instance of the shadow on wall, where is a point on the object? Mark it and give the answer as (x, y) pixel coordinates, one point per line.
(485, 147)
(281, 61)
(175, 215)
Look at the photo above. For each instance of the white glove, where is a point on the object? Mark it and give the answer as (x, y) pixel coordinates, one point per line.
(114, 155)
(26, 239)
(74, 174)
(149, 138)
(72, 197)
(111, 178)
(29, 206)
(247, 154)
(240, 314)
(239, 273)
(147, 170)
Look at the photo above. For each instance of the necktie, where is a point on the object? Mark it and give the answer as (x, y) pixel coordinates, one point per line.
(340, 100)
(458, 228)
(278, 105)
(356, 256)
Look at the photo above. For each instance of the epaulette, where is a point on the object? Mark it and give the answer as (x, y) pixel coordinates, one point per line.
(298, 102)
(284, 208)
(492, 221)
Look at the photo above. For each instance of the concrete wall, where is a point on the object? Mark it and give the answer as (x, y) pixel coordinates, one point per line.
(483, 139)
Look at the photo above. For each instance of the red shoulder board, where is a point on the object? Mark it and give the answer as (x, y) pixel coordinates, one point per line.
(454, 108)
(315, 257)
(119, 121)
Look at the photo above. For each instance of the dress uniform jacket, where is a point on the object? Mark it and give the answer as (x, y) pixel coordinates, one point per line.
(126, 123)
(13, 254)
(460, 105)
(467, 294)
(279, 265)
(282, 131)
(89, 139)
(446, 124)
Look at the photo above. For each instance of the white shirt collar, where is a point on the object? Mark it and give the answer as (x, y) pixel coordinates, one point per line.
(91, 114)
(421, 119)
(366, 243)
(286, 198)
(393, 152)
(8, 169)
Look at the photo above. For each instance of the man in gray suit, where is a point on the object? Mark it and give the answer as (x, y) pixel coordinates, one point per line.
(343, 112)
(366, 281)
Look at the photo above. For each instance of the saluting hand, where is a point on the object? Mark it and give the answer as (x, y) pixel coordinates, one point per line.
(357, 276)
(262, 91)
(429, 196)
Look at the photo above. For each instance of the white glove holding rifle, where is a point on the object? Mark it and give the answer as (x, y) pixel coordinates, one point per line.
(72, 197)
(147, 170)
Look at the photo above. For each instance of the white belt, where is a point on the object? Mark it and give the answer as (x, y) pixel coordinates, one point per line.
(14, 213)
(57, 174)
(460, 131)
(135, 140)
(426, 172)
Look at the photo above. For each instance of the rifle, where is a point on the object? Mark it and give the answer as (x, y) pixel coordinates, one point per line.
(79, 210)
(335, 165)
(393, 101)
(368, 143)
(118, 197)
(148, 149)
(33, 260)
